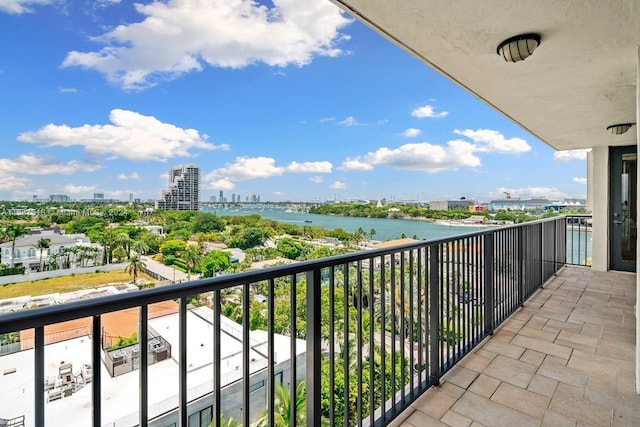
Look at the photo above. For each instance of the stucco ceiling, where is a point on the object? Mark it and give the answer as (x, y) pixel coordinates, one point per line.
(580, 80)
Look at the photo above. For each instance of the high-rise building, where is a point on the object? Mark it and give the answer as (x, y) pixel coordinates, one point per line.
(183, 193)
(221, 196)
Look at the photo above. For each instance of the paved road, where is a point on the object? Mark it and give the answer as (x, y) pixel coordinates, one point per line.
(167, 272)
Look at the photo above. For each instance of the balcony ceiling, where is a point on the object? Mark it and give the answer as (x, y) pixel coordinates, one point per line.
(580, 80)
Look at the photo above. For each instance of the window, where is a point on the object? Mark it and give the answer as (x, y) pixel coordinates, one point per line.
(32, 252)
(256, 386)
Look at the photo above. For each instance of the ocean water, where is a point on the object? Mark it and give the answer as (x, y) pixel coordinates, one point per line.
(385, 229)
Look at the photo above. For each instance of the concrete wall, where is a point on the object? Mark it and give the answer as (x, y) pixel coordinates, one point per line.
(600, 210)
(5, 280)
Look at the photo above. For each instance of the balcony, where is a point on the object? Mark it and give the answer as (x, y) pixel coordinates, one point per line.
(359, 339)
(565, 358)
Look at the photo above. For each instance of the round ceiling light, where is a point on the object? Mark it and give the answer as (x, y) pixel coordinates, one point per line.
(619, 129)
(518, 48)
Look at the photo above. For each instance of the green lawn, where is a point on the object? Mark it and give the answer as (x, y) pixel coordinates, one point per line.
(68, 283)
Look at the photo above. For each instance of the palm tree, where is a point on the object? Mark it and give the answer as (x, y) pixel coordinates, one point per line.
(124, 241)
(192, 256)
(12, 232)
(226, 422)
(135, 265)
(140, 247)
(282, 409)
(43, 244)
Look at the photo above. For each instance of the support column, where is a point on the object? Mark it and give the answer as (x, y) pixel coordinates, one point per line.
(637, 129)
(600, 208)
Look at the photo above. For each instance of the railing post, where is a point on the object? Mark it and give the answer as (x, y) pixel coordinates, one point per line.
(434, 314)
(96, 365)
(38, 346)
(489, 322)
(313, 354)
(521, 289)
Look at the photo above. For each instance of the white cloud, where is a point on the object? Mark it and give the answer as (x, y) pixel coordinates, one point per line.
(221, 184)
(349, 121)
(418, 157)
(132, 136)
(79, 189)
(12, 182)
(551, 193)
(181, 36)
(246, 168)
(427, 111)
(19, 7)
(316, 179)
(568, 155)
(327, 119)
(338, 185)
(357, 164)
(580, 180)
(37, 165)
(66, 89)
(489, 141)
(310, 167)
(411, 132)
(133, 175)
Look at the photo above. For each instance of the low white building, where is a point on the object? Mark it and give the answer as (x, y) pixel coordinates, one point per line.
(27, 254)
(72, 406)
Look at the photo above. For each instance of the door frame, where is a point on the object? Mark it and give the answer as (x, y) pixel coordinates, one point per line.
(616, 220)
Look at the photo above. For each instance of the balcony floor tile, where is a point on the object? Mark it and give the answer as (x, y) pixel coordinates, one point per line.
(565, 359)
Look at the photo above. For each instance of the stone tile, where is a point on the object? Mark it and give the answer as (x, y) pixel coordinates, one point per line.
(418, 419)
(563, 374)
(536, 322)
(533, 357)
(582, 411)
(591, 330)
(545, 334)
(577, 341)
(503, 335)
(434, 403)
(556, 360)
(460, 376)
(451, 389)
(616, 351)
(551, 419)
(565, 326)
(484, 385)
(627, 417)
(486, 353)
(543, 346)
(567, 390)
(454, 419)
(527, 402)
(543, 385)
(512, 371)
(490, 413)
(504, 348)
(475, 362)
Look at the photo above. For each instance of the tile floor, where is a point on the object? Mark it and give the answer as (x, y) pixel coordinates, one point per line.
(565, 359)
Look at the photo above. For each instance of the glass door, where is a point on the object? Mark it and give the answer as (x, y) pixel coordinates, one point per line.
(623, 208)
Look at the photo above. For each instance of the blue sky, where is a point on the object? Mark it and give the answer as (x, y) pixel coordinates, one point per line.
(266, 98)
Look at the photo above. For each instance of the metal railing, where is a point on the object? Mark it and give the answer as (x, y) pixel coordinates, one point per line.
(378, 327)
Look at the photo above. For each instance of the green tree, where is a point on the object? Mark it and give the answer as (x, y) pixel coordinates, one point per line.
(282, 409)
(248, 238)
(206, 222)
(43, 244)
(12, 232)
(192, 257)
(214, 262)
(134, 266)
(173, 247)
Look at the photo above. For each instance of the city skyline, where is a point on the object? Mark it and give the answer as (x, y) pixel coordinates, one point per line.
(314, 106)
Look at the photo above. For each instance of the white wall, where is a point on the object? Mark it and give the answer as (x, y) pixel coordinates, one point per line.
(600, 207)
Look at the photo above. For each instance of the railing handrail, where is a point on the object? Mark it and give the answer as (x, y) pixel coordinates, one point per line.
(11, 322)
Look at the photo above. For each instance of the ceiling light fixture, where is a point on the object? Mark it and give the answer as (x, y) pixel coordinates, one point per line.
(619, 129)
(518, 48)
